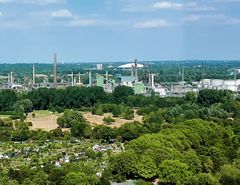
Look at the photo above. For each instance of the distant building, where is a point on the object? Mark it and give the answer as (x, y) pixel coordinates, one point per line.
(139, 88)
(128, 80)
(99, 66)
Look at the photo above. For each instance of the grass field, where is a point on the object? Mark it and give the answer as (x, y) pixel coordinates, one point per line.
(44, 120)
(4, 116)
(43, 113)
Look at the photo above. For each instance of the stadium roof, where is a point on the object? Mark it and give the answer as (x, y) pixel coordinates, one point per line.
(130, 65)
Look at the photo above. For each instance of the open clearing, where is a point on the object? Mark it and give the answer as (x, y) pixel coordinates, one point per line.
(44, 120)
(98, 120)
(47, 120)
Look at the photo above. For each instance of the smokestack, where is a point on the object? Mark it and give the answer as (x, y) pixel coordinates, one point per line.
(132, 69)
(107, 75)
(33, 74)
(79, 78)
(72, 79)
(11, 78)
(152, 80)
(183, 75)
(90, 78)
(136, 70)
(149, 80)
(55, 69)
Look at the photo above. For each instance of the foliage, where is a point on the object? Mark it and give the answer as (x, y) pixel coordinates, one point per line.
(108, 120)
(104, 132)
(121, 93)
(174, 171)
(23, 106)
(70, 118)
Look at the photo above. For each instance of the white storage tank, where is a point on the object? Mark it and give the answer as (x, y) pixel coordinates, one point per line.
(205, 81)
(232, 88)
(217, 82)
(238, 82)
(229, 82)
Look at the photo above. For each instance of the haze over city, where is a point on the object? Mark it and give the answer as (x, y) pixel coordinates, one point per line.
(118, 30)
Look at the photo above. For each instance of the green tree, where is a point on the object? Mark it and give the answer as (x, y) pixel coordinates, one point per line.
(23, 106)
(70, 118)
(208, 97)
(146, 167)
(41, 178)
(21, 132)
(79, 178)
(229, 175)
(121, 93)
(81, 129)
(104, 132)
(174, 171)
(108, 120)
(207, 179)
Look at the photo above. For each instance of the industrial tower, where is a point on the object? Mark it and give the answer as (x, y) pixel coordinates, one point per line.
(55, 70)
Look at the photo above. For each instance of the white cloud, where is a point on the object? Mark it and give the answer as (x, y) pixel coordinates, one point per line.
(156, 23)
(214, 18)
(204, 8)
(5, 1)
(168, 5)
(82, 22)
(192, 18)
(37, 2)
(171, 5)
(1, 14)
(43, 2)
(63, 13)
(232, 21)
(227, 1)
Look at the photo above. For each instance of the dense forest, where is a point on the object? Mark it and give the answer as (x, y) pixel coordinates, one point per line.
(193, 139)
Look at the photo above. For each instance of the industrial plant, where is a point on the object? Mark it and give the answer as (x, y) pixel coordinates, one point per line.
(104, 76)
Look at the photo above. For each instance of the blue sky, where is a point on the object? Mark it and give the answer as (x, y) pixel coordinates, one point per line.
(119, 30)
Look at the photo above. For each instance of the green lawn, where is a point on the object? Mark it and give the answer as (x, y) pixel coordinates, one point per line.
(44, 113)
(4, 116)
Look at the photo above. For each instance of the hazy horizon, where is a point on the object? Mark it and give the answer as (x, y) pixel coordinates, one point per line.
(109, 62)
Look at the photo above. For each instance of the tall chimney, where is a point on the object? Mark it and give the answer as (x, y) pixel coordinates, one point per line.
(33, 74)
(152, 80)
(55, 69)
(11, 78)
(183, 75)
(79, 78)
(90, 78)
(136, 70)
(72, 76)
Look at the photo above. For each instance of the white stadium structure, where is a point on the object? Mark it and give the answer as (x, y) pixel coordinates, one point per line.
(130, 65)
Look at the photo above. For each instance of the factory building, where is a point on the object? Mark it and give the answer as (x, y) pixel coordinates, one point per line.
(107, 83)
(139, 88)
(99, 66)
(127, 80)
